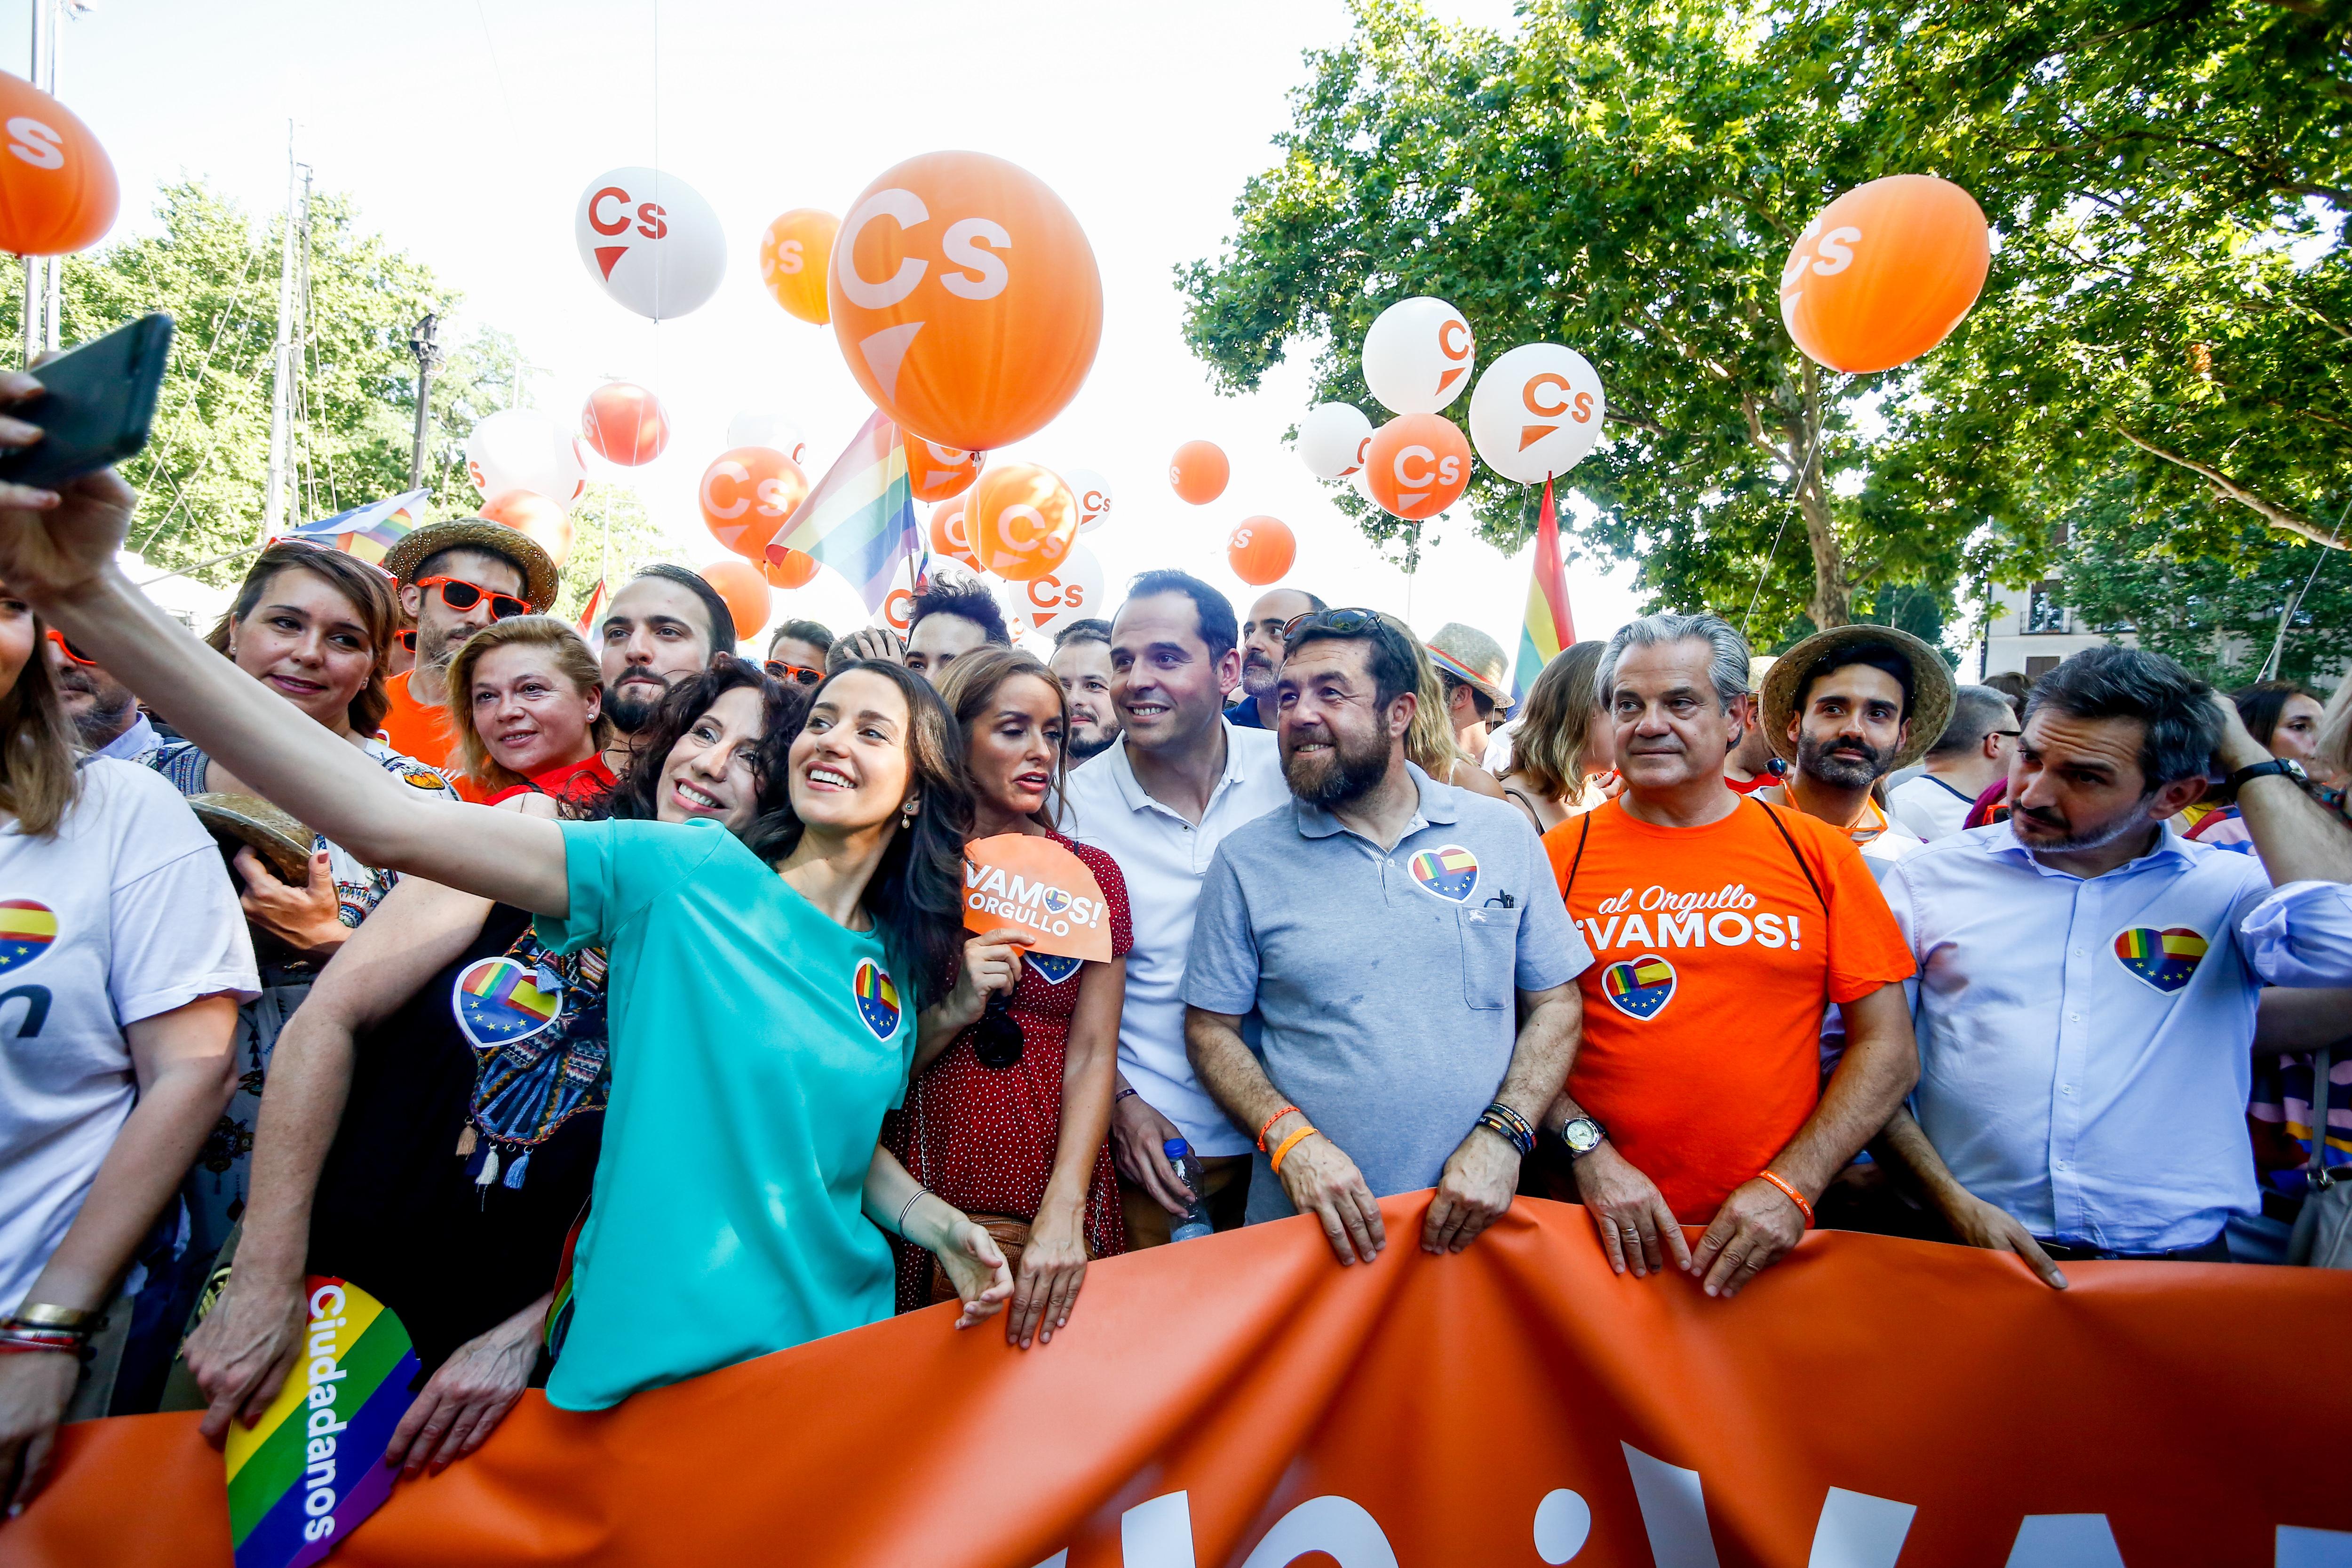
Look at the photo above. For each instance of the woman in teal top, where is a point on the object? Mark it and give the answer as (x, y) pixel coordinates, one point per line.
(761, 991)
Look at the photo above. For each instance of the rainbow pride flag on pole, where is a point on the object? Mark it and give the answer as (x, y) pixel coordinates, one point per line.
(306, 1475)
(860, 519)
(370, 531)
(1548, 627)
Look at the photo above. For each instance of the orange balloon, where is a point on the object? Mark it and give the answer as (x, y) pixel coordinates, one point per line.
(1886, 272)
(787, 568)
(948, 535)
(744, 588)
(965, 299)
(1417, 466)
(1020, 520)
(1261, 550)
(748, 495)
(625, 424)
(57, 191)
(935, 473)
(1199, 471)
(792, 255)
(528, 511)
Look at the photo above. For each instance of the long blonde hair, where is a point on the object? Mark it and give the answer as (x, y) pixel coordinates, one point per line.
(1555, 730)
(38, 781)
(1429, 744)
(573, 660)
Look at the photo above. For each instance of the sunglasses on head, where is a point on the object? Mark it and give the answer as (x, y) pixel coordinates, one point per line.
(1347, 623)
(461, 595)
(797, 674)
(70, 651)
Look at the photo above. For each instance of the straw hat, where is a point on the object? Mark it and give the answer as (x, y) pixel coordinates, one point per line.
(1469, 655)
(1931, 686)
(538, 569)
(252, 822)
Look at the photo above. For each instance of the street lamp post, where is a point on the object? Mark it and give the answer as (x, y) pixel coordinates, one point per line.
(426, 347)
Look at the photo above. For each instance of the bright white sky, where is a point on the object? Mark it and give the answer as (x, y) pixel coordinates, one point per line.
(467, 128)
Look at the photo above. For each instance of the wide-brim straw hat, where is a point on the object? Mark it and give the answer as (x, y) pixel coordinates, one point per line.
(1931, 687)
(1471, 655)
(253, 822)
(538, 568)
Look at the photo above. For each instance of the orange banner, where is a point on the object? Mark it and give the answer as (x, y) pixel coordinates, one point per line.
(1243, 1401)
(1024, 881)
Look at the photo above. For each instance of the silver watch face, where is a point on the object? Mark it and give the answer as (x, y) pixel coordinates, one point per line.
(1581, 1135)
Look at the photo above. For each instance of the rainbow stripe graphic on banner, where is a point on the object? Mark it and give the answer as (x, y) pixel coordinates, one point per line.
(1549, 626)
(860, 519)
(1450, 872)
(367, 532)
(26, 929)
(313, 1467)
(1640, 987)
(2165, 959)
(877, 999)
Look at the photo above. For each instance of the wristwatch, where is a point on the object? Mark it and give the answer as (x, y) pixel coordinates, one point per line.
(1582, 1136)
(2286, 767)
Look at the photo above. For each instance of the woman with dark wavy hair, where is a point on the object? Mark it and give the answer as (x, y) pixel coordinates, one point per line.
(760, 994)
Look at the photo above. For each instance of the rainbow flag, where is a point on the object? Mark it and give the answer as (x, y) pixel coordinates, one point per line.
(1548, 627)
(860, 519)
(589, 613)
(367, 532)
(312, 1469)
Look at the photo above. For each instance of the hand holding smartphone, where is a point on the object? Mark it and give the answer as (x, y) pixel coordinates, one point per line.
(96, 407)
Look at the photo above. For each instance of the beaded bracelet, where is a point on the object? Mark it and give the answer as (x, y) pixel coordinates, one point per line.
(1268, 1127)
(1516, 1136)
(1288, 1144)
(1793, 1195)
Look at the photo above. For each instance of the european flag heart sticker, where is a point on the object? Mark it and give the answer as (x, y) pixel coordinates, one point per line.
(2165, 959)
(1055, 967)
(877, 999)
(1449, 871)
(499, 1001)
(1640, 987)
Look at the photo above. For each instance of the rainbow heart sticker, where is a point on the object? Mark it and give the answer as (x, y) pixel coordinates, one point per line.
(877, 999)
(306, 1474)
(1639, 987)
(1055, 967)
(2165, 959)
(1450, 872)
(26, 929)
(499, 1001)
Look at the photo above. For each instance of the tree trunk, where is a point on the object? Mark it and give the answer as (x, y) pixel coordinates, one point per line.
(1832, 604)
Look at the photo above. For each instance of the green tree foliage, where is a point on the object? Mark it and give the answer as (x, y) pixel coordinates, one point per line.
(613, 539)
(1627, 176)
(201, 479)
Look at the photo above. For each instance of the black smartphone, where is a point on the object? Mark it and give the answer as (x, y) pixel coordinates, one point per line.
(96, 405)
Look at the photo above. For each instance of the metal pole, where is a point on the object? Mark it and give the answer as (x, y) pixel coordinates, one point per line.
(42, 67)
(281, 407)
(423, 341)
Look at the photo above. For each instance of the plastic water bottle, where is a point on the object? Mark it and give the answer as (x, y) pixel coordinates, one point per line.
(1195, 1222)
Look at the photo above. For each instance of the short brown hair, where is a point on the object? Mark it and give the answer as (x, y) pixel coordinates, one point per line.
(367, 590)
(572, 657)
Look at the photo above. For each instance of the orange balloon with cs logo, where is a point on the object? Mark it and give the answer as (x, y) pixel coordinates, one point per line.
(935, 473)
(1199, 472)
(1261, 550)
(793, 256)
(1417, 466)
(1885, 273)
(744, 588)
(57, 190)
(965, 300)
(748, 495)
(947, 537)
(1020, 519)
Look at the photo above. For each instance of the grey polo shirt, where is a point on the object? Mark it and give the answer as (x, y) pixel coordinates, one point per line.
(1387, 979)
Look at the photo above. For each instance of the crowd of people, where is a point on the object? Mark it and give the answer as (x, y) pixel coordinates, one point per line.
(605, 1006)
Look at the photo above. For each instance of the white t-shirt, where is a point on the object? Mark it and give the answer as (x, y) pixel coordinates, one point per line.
(1163, 858)
(1928, 807)
(126, 913)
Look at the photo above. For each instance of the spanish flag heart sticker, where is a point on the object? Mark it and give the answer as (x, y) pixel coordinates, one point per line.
(1639, 987)
(1450, 871)
(877, 999)
(2165, 959)
(26, 929)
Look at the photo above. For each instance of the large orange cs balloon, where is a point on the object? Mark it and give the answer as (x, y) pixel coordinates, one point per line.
(1417, 466)
(1020, 520)
(56, 185)
(1886, 272)
(935, 473)
(625, 424)
(965, 300)
(528, 511)
(1261, 550)
(1199, 471)
(745, 590)
(793, 254)
(788, 568)
(748, 495)
(948, 536)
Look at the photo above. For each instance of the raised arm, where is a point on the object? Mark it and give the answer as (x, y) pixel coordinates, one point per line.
(2298, 839)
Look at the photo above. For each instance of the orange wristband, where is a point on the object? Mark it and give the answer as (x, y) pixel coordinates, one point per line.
(1793, 1195)
(1289, 1143)
(1269, 1125)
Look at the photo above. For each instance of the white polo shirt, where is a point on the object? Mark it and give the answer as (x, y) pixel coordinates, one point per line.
(1163, 858)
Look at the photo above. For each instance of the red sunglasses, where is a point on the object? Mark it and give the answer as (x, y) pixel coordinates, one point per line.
(70, 651)
(461, 595)
(798, 674)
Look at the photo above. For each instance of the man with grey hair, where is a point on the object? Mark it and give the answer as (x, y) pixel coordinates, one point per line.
(1964, 762)
(1722, 928)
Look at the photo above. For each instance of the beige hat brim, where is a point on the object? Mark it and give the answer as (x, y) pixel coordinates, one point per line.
(1932, 689)
(255, 823)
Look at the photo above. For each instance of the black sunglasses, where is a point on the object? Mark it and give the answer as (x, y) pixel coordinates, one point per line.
(1347, 623)
(997, 1038)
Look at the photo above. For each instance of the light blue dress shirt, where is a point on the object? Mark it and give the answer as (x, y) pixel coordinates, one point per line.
(2085, 1046)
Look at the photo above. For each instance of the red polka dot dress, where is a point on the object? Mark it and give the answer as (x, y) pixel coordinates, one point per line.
(984, 1138)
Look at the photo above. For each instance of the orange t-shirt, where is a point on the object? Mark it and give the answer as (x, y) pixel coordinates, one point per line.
(1714, 959)
(417, 730)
